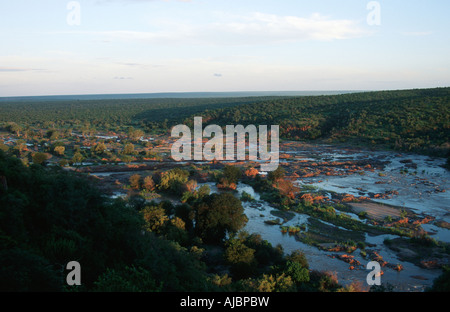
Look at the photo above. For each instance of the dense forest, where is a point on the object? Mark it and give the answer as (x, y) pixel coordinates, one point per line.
(407, 120)
(150, 114)
(49, 216)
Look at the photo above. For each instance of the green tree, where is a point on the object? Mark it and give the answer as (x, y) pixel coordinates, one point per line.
(39, 158)
(136, 134)
(149, 184)
(77, 158)
(276, 175)
(59, 150)
(128, 149)
(128, 279)
(100, 148)
(53, 134)
(203, 191)
(13, 128)
(298, 257)
(232, 173)
(298, 273)
(241, 258)
(174, 181)
(270, 283)
(4, 147)
(217, 215)
(50, 214)
(135, 181)
(22, 270)
(442, 283)
(155, 218)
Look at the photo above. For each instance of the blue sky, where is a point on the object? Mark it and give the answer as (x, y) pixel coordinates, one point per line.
(49, 47)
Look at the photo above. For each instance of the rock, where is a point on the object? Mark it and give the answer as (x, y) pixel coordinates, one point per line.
(430, 264)
(273, 222)
(443, 224)
(405, 253)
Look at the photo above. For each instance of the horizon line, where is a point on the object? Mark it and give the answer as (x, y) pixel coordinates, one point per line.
(193, 94)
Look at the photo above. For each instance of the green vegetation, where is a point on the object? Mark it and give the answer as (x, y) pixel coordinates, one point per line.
(442, 283)
(285, 215)
(419, 248)
(183, 247)
(409, 120)
(51, 216)
(246, 197)
(319, 233)
(194, 242)
(328, 214)
(91, 115)
(217, 215)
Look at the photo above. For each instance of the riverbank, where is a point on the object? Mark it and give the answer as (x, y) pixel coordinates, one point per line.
(378, 188)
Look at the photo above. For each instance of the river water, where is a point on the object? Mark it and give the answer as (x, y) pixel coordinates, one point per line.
(421, 188)
(421, 182)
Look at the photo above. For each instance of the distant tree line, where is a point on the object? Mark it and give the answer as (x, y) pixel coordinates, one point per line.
(409, 120)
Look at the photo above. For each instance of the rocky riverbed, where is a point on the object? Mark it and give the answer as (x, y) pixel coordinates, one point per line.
(409, 190)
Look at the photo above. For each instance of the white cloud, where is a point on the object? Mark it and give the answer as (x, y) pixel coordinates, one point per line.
(18, 69)
(261, 27)
(253, 29)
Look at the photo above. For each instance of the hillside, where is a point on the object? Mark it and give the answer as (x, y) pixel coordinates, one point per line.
(406, 120)
(409, 120)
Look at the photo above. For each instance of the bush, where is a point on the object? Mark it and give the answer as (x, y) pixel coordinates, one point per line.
(298, 257)
(241, 258)
(270, 283)
(173, 181)
(128, 279)
(442, 283)
(245, 197)
(276, 175)
(298, 273)
(48, 215)
(217, 215)
(22, 270)
(232, 174)
(155, 218)
(40, 158)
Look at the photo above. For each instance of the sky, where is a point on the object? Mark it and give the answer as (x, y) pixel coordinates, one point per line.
(59, 47)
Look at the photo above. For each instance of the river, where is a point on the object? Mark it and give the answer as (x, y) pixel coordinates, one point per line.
(421, 189)
(421, 183)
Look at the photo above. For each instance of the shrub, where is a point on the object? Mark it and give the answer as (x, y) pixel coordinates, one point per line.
(218, 214)
(246, 197)
(298, 273)
(128, 279)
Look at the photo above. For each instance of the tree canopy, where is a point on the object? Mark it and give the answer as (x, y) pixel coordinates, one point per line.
(217, 215)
